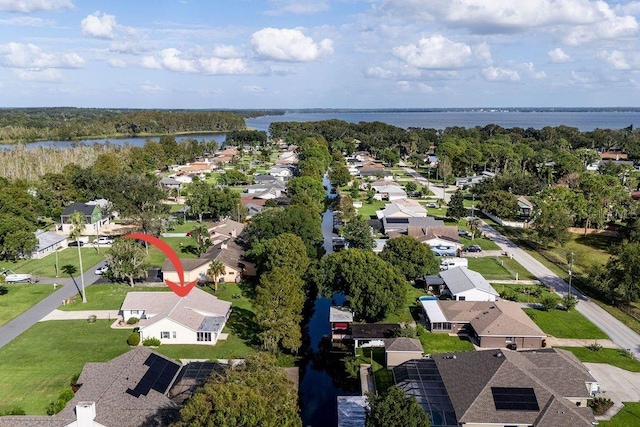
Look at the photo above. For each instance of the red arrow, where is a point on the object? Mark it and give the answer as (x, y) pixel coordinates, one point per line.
(181, 289)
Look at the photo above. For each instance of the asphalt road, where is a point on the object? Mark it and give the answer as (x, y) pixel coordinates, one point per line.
(438, 191)
(18, 325)
(617, 331)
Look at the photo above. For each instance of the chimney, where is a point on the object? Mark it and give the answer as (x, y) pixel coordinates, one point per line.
(223, 245)
(85, 413)
(233, 233)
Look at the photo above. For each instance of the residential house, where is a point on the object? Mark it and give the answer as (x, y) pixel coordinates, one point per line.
(613, 155)
(170, 183)
(254, 205)
(501, 388)
(289, 157)
(264, 179)
(267, 190)
(283, 173)
(197, 318)
(526, 207)
(94, 217)
(462, 284)
(372, 334)
(229, 151)
(470, 181)
(229, 253)
(436, 236)
(374, 170)
(224, 230)
(48, 243)
(199, 167)
(403, 208)
(341, 319)
(401, 225)
(401, 349)
(488, 324)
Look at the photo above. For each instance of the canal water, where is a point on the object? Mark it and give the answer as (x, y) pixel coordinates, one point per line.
(322, 376)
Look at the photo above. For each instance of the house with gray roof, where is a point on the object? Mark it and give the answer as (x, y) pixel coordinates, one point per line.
(197, 318)
(488, 324)
(501, 388)
(48, 243)
(399, 350)
(401, 225)
(462, 284)
(94, 217)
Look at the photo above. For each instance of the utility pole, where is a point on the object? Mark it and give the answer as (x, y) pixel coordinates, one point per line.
(570, 271)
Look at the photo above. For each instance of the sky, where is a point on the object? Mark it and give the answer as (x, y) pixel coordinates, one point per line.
(249, 54)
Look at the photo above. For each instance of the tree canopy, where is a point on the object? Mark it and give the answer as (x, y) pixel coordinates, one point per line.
(394, 408)
(412, 258)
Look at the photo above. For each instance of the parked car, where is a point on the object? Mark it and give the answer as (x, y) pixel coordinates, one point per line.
(444, 250)
(103, 241)
(464, 233)
(102, 270)
(431, 205)
(76, 243)
(473, 248)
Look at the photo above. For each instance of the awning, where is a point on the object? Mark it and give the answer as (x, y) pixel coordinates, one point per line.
(433, 311)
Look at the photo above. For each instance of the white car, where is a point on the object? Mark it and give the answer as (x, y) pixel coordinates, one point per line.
(102, 270)
(103, 241)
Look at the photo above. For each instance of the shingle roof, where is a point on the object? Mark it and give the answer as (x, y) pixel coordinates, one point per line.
(402, 344)
(461, 279)
(374, 330)
(85, 208)
(340, 314)
(47, 238)
(469, 377)
(189, 311)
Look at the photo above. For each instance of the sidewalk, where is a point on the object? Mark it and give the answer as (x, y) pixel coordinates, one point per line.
(574, 342)
(80, 315)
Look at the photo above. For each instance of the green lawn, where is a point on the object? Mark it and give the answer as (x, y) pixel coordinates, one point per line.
(21, 298)
(587, 251)
(108, 296)
(612, 356)
(563, 324)
(369, 210)
(157, 257)
(232, 348)
(485, 244)
(38, 365)
(491, 268)
(628, 416)
(376, 357)
(47, 266)
(523, 293)
(443, 343)
(410, 310)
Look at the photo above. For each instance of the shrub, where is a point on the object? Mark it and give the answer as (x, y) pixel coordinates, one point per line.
(92, 318)
(151, 342)
(548, 302)
(4, 290)
(600, 405)
(16, 410)
(508, 294)
(134, 339)
(132, 321)
(594, 347)
(59, 404)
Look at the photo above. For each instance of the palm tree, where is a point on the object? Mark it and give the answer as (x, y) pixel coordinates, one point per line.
(475, 224)
(202, 238)
(78, 221)
(216, 269)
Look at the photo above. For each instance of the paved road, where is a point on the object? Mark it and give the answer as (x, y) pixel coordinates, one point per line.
(618, 332)
(18, 325)
(437, 190)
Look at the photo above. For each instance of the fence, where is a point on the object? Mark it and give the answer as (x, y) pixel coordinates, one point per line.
(500, 221)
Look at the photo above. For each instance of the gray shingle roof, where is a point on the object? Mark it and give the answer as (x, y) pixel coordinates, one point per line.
(402, 344)
(461, 279)
(84, 208)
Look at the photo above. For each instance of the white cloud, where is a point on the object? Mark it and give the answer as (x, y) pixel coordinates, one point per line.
(253, 89)
(495, 74)
(289, 45)
(483, 51)
(435, 52)
(174, 60)
(99, 25)
(582, 78)
(531, 71)
(616, 59)
(117, 63)
(378, 72)
(18, 55)
(28, 6)
(404, 85)
(129, 46)
(26, 21)
(613, 28)
(46, 75)
(151, 88)
(424, 88)
(297, 7)
(224, 51)
(558, 55)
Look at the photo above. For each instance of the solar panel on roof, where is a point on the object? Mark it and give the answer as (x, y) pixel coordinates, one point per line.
(158, 377)
(515, 398)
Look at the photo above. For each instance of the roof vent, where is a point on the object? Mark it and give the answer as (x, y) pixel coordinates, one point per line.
(450, 356)
(485, 312)
(498, 354)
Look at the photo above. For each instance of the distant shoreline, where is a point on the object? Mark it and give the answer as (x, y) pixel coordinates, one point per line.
(114, 136)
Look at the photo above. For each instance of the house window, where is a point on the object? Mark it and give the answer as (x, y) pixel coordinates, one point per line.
(135, 312)
(204, 336)
(509, 339)
(165, 335)
(174, 334)
(462, 298)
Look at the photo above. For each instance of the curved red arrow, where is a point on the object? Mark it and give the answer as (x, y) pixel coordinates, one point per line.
(181, 289)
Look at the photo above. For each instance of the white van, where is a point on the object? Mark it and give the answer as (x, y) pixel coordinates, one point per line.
(447, 263)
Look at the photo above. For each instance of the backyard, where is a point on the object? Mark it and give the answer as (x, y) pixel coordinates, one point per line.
(46, 267)
(565, 324)
(499, 268)
(20, 298)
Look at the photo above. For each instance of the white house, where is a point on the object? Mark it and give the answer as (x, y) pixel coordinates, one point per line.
(404, 208)
(388, 191)
(48, 243)
(281, 172)
(197, 318)
(463, 285)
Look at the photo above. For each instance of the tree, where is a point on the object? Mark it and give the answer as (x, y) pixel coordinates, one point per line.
(394, 408)
(339, 174)
(256, 394)
(358, 234)
(411, 186)
(78, 221)
(569, 302)
(302, 186)
(412, 258)
(199, 198)
(552, 220)
(373, 287)
(500, 203)
(202, 238)
(18, 244)
(549, 301)
(215, 270)
(622, 273)
(475, 225)
(278, 306)
(456, 206)
(127, 260)
(283, 251)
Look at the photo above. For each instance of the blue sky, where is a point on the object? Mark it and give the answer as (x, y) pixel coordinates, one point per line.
(319, 53)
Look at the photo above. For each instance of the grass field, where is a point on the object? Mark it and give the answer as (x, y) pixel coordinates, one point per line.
(107, 296)
(157, 257)
(38, 365)
(443, 343)
(376, 357)
(628, 416)
(408, 313)
(500, 268)
(369, 210)
(20, 298)
(46, 267)
(565, 324)
(611, 356)
(523, 293)
(231, 348)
